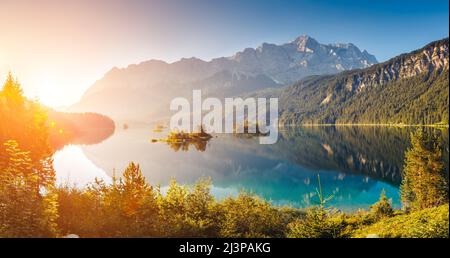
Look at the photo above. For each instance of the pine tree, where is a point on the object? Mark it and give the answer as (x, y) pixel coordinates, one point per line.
(27, 204)
(425, 183)
(136, 191)
(382, 208)
(13, 92)
(136, 203)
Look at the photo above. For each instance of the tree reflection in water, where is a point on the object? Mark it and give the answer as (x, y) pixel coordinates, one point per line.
(199, 145)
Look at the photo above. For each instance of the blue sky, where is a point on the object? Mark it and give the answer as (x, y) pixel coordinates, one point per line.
(58, 49)
(384, 28)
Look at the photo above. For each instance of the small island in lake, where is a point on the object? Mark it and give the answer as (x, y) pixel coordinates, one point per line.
(181, 140)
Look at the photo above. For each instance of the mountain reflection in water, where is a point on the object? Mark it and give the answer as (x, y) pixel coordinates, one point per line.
(355, 163)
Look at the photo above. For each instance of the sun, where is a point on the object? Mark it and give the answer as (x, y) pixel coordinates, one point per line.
(48, 91)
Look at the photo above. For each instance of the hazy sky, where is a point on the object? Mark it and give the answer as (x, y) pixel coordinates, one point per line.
(58, 49)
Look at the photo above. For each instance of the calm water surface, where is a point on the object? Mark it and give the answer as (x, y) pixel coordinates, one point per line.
(355, 163)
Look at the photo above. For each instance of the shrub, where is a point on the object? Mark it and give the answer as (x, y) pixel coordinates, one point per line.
(382, 208)
(189, 211)
(249, 216)
(318, 223)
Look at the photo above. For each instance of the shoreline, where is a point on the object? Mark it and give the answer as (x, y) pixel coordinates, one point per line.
(368, 125)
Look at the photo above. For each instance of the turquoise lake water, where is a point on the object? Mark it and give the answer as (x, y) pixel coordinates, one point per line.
(354, 163)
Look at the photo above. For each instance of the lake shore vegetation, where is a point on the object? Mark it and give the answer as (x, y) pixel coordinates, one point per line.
(33, 205)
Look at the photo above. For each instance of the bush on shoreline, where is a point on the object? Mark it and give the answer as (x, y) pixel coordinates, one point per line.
(31, 205)
(129, 207)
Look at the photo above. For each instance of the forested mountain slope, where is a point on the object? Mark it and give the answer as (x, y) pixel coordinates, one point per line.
(411, 89)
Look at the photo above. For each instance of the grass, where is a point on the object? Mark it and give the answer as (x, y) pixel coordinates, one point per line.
(427, 223)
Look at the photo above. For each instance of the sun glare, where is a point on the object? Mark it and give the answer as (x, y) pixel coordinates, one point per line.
(46, 90)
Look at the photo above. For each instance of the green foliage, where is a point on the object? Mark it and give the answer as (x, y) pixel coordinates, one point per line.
(425, 182)
(131, 208)
(31, 205)
(27, 204)
(383, 208)
(421, 99)
(318, 223)
(427, 223)
(79, 211)
(123, 210)
(189, 212)
(249, 216)
(126, 208)
(24, 122)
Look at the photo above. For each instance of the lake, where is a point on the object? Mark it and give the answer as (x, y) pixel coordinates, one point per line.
(355, 164)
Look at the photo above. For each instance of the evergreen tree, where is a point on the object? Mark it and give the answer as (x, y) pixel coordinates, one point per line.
(318, 223)
(13, 92)
(382, 208)
(27, 204)
(139, 202)
(425, 182)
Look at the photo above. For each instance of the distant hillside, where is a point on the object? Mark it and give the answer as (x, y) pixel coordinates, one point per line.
(143, 92)
(411, 89)
(42, 130)
(73, 128)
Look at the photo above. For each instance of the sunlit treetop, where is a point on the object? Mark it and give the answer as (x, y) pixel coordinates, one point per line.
(12, 90)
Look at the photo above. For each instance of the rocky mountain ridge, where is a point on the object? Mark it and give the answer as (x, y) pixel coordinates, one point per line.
(432, 57)
(411, 88)
(146, 89)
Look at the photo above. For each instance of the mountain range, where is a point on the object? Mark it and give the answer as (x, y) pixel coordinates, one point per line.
(143, 91)
(408, 89)
(315, 84)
